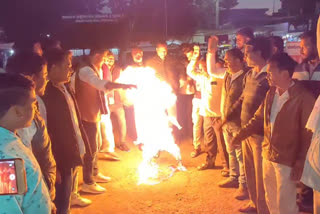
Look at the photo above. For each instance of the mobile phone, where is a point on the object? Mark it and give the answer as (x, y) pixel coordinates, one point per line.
(12, 177)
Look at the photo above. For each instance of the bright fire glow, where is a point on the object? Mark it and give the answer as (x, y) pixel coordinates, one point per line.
(154, 105)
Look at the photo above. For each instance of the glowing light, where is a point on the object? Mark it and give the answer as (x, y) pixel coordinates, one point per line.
(154, 105)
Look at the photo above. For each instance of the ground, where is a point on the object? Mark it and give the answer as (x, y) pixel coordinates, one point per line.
(190, 192)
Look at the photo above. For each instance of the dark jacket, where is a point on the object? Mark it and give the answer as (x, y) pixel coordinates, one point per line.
(231, 93)
(255, 88)
(164, 70)
(60, 128)
(290, 140)
(41, 148)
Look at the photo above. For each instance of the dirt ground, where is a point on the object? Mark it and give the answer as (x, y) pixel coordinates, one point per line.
(191, 192)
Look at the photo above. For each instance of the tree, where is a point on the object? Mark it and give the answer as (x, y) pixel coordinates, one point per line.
(228, 4)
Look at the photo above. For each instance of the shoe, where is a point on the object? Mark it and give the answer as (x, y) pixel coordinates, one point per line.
(248, 208)
(93, 188)
(123, 147)
(206, 166)
(230, 182)
(77, 200)
(225, 172)
(99, 178)
(241, 193)
(195, 153)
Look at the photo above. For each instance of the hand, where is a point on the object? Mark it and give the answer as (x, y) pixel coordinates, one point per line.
(125, 86)
(213, 43)
(53, 208)
(296, 171)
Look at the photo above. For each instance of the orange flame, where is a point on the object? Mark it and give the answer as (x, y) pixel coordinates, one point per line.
(154, 102)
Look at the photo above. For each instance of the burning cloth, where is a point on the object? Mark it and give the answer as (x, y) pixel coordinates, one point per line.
(153, 102)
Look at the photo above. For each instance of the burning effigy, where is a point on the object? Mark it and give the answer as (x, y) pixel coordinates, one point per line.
(153, 101)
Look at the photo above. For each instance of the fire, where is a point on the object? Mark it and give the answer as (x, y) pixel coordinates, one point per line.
(154, 105)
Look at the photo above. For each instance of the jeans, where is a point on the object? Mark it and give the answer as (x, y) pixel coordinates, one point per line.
(184, 115)
(236, 166)
(90, 165)
(131, 122)
(252, 159)
(63, 192)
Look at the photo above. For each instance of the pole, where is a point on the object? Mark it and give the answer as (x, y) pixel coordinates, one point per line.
(217, 14)
(166, 19)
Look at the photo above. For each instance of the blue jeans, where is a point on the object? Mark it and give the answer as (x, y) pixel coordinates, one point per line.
(236, 167)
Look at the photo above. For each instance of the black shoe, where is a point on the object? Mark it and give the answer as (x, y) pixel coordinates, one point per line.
(195, 153)
(206, 166)
(123, 147)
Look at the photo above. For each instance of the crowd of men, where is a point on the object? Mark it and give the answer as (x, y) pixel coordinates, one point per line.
(257, 108)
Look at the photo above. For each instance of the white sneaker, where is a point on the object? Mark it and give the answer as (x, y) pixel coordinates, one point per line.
(99, 178)
(93, 188)
(77, 200)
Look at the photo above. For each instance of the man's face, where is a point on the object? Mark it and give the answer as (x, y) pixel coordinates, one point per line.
(196, 51)
(26, 112)
(251, 57)
(274, 75)
(110, 61)
(64, 70)
(41, 80)
(189, 55)
(241, 41)
(162, 52)
(231, 63)
(137, 55)
(307, 49)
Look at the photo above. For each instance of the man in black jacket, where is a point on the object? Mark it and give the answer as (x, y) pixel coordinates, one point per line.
(69, 141)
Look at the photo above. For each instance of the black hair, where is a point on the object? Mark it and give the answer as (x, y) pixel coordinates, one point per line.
(55, 56)
(277, 42)
(95, 51)
(14, 90)
(284, 62)
(246, 31)
(162, 44)
(236, 53)
(26, 63)
(311, 35)
(263, 45)
(186, 48)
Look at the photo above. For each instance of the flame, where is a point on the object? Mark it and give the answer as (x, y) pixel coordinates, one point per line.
(154, 104)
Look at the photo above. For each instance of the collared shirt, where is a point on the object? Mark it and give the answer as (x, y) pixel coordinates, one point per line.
(278, 102)
(308, 71)
(264, 69)
(74, 118)
(88, 75)
(37, 199)
(235, 76)
(26, 134)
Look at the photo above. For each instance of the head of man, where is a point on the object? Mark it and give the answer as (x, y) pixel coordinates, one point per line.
(280, 69)
(257, 51)
(277, 44)
(162, 50)
(32, 65)
(196, 51)
(59, 66)
(243, 36)
(308, 46)
(234, 60)
(188, 51)
(18, 101)
(109, 59)
(137, 55)
(98, 57)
